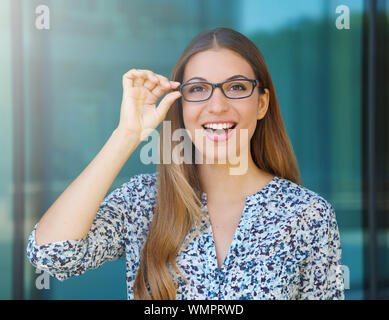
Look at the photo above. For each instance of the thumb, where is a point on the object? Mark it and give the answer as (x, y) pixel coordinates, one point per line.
(166, 103)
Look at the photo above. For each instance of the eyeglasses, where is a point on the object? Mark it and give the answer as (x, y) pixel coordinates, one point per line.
(232, 89)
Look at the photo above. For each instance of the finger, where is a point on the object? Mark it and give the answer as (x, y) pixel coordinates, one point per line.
(175, 84)
(137, 76)
(167, 102)
(128, 78)
(152, 80)
(131, 74)
(150, 75)
(158, 91)
(150, 85)
(127, 82)
(139, 81)
(163, 86)
(164, 82)
(156, 83)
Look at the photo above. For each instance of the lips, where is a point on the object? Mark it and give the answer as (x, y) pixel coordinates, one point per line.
(219, 125)
(219, 134)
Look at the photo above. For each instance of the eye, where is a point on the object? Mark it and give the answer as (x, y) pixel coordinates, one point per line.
(196, 88)
(237, 87)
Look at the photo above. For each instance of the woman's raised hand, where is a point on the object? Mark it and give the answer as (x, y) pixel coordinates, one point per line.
(139, 115)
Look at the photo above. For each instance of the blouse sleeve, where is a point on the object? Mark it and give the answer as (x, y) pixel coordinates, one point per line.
(104, 241)
(321, 275)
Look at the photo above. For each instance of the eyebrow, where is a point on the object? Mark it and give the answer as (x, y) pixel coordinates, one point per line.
(233, 77)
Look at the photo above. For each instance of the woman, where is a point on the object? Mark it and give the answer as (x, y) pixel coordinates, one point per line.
(193, 230)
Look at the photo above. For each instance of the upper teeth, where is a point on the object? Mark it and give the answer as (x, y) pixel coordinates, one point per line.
(216, 126)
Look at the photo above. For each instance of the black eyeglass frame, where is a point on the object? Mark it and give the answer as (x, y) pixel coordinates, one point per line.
(220, 85)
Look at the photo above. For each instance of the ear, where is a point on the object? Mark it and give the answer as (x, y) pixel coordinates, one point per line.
(263, 104)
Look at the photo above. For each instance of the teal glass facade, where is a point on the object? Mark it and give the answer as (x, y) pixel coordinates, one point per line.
(72, 95)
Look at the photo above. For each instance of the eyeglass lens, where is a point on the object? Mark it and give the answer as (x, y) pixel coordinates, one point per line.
(232, 89)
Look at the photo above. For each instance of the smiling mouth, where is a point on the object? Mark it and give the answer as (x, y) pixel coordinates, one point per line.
(217, 134)
(219, 131)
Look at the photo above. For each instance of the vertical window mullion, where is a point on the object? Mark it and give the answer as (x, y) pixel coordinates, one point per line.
(18, 150)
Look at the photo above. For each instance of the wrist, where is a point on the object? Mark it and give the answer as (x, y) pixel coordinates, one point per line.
(129, 139)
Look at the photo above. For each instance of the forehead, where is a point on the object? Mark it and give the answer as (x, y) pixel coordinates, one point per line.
(217, 65)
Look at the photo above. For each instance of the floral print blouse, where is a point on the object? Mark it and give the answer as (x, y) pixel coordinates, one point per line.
(286, 246)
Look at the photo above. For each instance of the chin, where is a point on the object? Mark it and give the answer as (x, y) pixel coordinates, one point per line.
(217, 156)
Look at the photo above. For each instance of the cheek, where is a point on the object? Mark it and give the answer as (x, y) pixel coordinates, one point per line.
(247, 125)
(189, 117)
(249, 119)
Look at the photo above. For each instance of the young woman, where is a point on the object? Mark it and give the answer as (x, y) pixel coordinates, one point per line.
(194, 230)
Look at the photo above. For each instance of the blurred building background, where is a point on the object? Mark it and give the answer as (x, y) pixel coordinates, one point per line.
(60, 95)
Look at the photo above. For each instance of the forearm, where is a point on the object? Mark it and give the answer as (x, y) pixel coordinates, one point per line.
(70, 217)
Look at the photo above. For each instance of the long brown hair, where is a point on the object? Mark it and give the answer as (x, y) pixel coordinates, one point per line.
(178, 204)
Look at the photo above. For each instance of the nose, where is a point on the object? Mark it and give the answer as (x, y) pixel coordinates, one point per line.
(218, 101)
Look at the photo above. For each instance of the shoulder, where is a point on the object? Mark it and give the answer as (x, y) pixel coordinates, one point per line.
(138, 195)
(302, 200)
(142, 182)
(141, 189)
(313, 216)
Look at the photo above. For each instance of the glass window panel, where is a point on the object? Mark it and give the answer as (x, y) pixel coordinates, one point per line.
(73, 93)
(6, 167)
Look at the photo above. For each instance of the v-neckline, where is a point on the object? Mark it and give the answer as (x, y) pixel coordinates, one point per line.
(238, 230)
(243, 225)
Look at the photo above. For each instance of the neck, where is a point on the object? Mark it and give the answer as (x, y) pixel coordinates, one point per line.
(218, 183)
